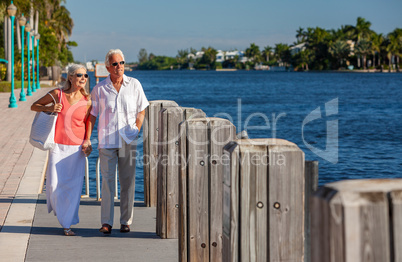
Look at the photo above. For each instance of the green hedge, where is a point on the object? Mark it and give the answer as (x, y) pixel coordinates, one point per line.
(6, 86)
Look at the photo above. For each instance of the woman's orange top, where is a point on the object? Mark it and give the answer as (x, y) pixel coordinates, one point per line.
(70, 124)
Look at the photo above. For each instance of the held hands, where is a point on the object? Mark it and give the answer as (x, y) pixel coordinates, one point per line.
(57, 108)
(87, 147)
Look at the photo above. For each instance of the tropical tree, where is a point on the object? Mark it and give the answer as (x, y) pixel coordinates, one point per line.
(363, 48)
(207, 61)
(396, 39)
(362, 29)
(376, 43)
(318, 44)
(340, 50)
(282, 53)
(253, 53)
(266, 52)
(182, 56)
(392, 48)
(142, 56)
(300, 35)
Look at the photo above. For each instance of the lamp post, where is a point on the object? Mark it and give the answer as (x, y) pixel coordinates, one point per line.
(28, 30)
(22, 21)
(37, 61)
(12, 10)
(33, 61)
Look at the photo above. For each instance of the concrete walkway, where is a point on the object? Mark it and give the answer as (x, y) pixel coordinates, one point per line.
(29, 233)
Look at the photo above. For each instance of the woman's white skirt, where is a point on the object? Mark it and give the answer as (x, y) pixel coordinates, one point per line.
(64, 178)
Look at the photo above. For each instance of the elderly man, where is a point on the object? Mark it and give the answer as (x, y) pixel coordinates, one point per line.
(120, 102)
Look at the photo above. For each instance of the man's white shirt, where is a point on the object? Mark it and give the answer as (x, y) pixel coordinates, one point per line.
(117, 111)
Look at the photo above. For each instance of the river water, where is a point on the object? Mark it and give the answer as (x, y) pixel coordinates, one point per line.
(350, 122)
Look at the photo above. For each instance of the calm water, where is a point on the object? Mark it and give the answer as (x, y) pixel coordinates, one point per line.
(365, 110)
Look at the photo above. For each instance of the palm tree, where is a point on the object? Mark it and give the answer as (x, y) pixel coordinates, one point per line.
(253, 53)
(376, 43)
(209, 57)
(267, 51)
(392, 47)
(182, 56)
(62, 24)
(300, 35)
(396, 36)
(282, 53)
(363, 48)
(362, 29)
(340, 50)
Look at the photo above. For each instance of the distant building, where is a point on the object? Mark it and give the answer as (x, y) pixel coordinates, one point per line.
(351, 46)
(89, 66)
(297, 48)
(220, 56)
(232, 55)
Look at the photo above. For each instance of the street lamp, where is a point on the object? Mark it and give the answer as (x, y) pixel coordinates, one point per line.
(12, 10)
(22, 21)
(28, 30)
(37, 61)
(33, 61)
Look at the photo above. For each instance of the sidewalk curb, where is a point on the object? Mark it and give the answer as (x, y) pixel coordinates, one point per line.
(15, 233)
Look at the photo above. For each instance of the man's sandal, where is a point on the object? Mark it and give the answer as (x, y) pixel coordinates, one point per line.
(106, 229)
(68, 232)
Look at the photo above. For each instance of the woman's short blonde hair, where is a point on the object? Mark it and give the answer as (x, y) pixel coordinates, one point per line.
(72, 69)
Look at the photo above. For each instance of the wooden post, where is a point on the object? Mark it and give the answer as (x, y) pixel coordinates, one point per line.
(357, 220)
(311, 185)
(200, 181)
(167, 211)
(150, 134)
(263, 210)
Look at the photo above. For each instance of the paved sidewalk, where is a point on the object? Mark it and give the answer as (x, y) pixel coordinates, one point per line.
(15, 150)
(29, 233)
(47, 242)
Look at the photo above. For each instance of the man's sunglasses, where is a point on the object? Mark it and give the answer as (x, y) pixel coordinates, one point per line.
(116, 63)
(80, 75)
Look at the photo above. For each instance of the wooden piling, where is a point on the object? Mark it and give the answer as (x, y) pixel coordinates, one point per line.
(167, 211)
(311, 185)
(200, 185)
(263, 202)
(150, 134)
(357, 220)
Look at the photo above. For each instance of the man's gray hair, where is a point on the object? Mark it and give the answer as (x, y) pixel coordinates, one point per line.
(113, 52)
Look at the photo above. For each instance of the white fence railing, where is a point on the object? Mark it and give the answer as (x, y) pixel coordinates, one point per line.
(98, 188)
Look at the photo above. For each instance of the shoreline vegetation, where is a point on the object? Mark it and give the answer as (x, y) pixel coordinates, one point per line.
(349, 48)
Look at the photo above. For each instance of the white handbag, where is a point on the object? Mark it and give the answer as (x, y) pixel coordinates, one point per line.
(43, 129)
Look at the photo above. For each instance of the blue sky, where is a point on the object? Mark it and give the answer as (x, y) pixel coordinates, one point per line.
(164, 26)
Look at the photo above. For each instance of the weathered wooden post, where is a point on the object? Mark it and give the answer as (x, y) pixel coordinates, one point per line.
(310, 185)
(263, 202)
(357, 220)
(167, 210)
(150, 134)
(200, 186)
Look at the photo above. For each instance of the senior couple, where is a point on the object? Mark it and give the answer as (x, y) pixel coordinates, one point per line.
(119, 104)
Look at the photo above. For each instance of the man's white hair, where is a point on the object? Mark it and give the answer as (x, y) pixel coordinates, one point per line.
(112, 52)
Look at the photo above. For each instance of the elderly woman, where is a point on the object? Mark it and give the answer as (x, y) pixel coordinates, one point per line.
(66, 165)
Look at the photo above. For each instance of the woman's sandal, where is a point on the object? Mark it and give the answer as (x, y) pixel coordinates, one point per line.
(68, 232)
